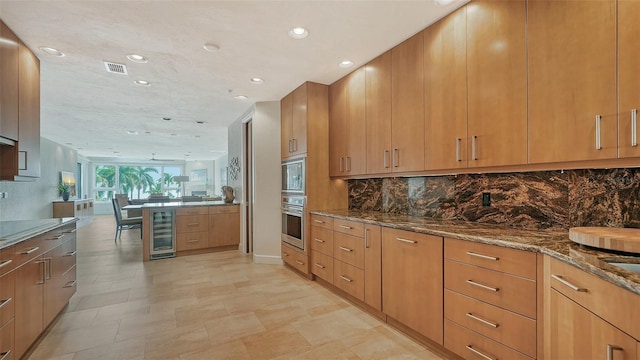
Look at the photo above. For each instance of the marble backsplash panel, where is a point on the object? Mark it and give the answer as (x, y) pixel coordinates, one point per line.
(533, 200)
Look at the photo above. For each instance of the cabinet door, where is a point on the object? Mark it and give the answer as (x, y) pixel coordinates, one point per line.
(373, 266)
(497, 83)
(445, 92)
(30, 279)
(572, 80)
(286, 118)
(412, 281)
(407, 110)
(629, 77)
(378, 114)
(576, 333)
(8, 83)
(337, 126)
(29, 114)
(355, 161)
(299, 122)
(7, 341)
(224, 229)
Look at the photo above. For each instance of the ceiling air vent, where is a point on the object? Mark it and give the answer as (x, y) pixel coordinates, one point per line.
(115, 68)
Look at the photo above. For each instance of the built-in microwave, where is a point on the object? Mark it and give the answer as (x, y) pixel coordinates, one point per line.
(293, 176)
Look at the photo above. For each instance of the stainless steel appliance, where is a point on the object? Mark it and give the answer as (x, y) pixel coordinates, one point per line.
(293, 172)
(163, 234)
(293, 220)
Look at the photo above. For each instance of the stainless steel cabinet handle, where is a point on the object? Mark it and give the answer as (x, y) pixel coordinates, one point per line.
(300, 262)
(345, 278)
(71, 253)
(56, 237)
(634, 127)
(610, 349)
(320, 266)
(69, 231)
(347, 163)
(319, 240)
(290, 147)
(598, 121)
(346, 227)
(295, 145)
(30, 250)
(470, 348)
(70, 284)
(5, 263)
(486, 322)
(285, 254)
(474, 141)
(5, 354)
(193, 224)
(366, 238)
(458, 141)
(345, 249)
(396, 156)
(193, 241)
(407, 241)
(385, 158)
(471, 282)
(44, 272)
(568, 284)
(319, 221)
(471, 253)
(5, 302)
(341, 167)
(22, 160)
(47, 271)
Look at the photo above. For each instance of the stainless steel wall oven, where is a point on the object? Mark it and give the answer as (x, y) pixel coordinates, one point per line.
(293, 220)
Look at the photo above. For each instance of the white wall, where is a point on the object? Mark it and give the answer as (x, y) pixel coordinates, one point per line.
(209, 185)
(32, 200)
(266, 186)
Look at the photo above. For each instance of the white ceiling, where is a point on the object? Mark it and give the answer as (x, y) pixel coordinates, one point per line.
(91, 110)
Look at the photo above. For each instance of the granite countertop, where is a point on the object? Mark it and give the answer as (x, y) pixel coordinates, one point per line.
(13, 232)
(175, 204)
(555, 243)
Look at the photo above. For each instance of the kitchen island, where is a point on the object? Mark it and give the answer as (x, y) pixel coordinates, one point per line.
(188, 228)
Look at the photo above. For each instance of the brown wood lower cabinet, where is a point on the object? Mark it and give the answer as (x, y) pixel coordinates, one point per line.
(7, 341)
(471, 345)
(224, 225)
(30, 279)
(295, 258)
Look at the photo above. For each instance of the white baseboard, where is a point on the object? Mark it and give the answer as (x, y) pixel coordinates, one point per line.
(267, 259)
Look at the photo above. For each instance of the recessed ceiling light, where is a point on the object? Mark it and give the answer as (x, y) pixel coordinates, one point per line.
(80, 148)
(174, 134)
(200, 122)
(166, 118)
(137, 58)
(69, 143)
(443, 2)
(147, 132)
(132, 132)
(51, 51)
(211, 47)
(298, 33)
(241, 97)
(142, 82)
(116, 152)
(256, 80)
(345, 63)
(197, 136)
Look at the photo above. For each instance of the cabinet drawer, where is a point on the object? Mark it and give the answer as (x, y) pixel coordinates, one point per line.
(295, 259)
(322, 266)
(503, 326)
(68, 254)
(322, 240)
(349, 249)
(348, 227)
(8, 259)
(322, 221)
(192, 223)
(68, 285)
(224, 209)
(469, 345)
(516, 262)
(349, 278)
(192, 240)
(7, 297)
(497, 288)
(615, 304)
(193, 210)
(7, 341)
(29, 250)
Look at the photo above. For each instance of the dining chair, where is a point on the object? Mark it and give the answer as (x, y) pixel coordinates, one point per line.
(125, 224)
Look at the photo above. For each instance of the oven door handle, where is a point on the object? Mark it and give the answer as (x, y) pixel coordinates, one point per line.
(293, 213)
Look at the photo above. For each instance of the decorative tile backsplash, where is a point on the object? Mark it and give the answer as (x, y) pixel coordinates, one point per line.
(533, 200)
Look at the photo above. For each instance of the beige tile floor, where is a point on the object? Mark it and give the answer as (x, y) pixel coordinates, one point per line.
(210, 306)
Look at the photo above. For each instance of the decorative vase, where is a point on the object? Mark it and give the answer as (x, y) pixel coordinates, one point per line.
(227, 192)
(65, 195)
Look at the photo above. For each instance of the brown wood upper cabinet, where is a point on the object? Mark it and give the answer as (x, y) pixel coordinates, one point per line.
(8, 83)
(378, 114)
(29, 114)
(628, 75)
(347, 152)
(572, 80)
(293, 117)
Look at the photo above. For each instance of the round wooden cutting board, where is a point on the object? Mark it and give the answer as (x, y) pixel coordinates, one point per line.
(621, 239)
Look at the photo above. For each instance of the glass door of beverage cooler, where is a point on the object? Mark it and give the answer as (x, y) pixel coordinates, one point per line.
(162, 234)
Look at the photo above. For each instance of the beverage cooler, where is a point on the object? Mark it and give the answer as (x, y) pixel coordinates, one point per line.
(163, 234)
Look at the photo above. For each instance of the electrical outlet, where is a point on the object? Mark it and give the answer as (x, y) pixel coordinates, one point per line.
(486, 199)
(4, 195)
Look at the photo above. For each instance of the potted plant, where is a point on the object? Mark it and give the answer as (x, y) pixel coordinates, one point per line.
(64, 190)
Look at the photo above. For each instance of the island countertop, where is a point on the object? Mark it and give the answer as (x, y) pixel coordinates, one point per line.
(178, 204)
(555, 243)
(13, 232)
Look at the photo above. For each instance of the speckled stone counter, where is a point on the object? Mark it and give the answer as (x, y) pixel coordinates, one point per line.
(13, 232)
(551, 242)
(177, 204)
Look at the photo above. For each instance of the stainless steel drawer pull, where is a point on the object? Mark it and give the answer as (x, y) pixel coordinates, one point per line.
(568, 284)
(30, 250)
(319, 240)
(385, 159)
(319, 221)
(634, 127)
(487, 257)
(56, 237)
(193, 224)
(346, 227)
(320, 266)
(300, 262)
(5, 263)
(598, 122)
(395, 157)
(341, 162)
(5, 302)
(71, 253)
(407, 240)
(486, 322)
(474, 141)
(285, 254)
(610, 349)
(70, 284)
(485, 356)
(458, 142)
(5, 354)
(345, 249)
(193, 241)
(366, 238)
(69, 231)
(471, 282)
(347, 163)
(345, 278)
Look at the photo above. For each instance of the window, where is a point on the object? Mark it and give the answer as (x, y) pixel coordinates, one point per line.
(138, 182)
(105, 184)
